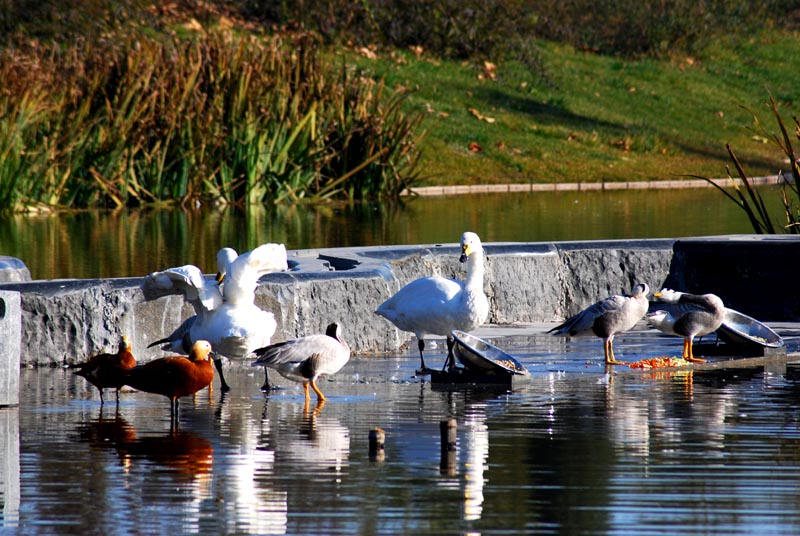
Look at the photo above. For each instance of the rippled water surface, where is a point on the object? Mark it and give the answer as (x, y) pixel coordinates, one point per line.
(576, 450)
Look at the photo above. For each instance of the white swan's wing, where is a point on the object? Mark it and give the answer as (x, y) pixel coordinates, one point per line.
(202, 293)
(245, 271)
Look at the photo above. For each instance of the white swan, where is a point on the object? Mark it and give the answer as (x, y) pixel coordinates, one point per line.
(436, 305)
(225, 311)
(688, 316)
(305, 359)
(608, 317)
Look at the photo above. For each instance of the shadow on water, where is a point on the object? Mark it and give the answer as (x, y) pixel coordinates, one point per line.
(134, 243)
(578, 449)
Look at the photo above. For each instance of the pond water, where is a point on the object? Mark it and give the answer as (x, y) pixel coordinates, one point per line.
(575, 450)
(129, 244)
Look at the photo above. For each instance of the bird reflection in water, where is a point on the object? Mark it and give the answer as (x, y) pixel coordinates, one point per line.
(253, 503)
(183, 452)
(105, 433)
(321, 442)
(304, 442)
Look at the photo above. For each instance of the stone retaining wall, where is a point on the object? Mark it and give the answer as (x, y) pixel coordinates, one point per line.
(68, 320)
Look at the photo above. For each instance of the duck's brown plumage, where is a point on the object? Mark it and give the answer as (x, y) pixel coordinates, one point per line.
(107, 371)
(174, 376)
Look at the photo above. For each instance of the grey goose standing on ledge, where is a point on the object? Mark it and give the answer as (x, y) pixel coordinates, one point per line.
(688, 316)
(607, 318)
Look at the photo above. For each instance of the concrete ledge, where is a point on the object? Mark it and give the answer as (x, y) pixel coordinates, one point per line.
(68, 320)
(10, 348)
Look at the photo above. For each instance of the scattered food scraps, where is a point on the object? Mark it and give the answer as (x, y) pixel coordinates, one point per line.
(659, 362)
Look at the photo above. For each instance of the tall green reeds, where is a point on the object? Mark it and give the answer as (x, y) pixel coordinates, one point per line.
(218, 118)
(749, 199)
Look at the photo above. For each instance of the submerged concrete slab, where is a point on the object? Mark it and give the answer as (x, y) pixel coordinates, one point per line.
(68, 320)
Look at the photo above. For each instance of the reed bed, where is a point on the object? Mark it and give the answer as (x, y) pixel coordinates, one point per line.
(217, 118)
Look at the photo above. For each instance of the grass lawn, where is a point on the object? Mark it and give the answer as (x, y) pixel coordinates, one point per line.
(598, 118)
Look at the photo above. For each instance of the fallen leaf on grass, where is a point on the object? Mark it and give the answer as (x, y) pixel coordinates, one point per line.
(480, 116)
(367, 53)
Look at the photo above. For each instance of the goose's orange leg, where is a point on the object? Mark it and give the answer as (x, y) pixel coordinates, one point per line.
(608, 351)
(689, 355)
(320, 396)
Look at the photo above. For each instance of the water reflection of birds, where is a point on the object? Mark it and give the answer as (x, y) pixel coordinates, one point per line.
(437, 305)
(103, 432)
(185, 453)
(225, 311)
(607, 318)
(476, 447)
(305, 359)
(318, 443)
(253, 503)
(106, 371)
(688, 316)
(174, 376)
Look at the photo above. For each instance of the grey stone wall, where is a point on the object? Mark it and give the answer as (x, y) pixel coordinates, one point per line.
(69, 320)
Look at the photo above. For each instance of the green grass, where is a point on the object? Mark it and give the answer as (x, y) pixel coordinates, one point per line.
(598, 118)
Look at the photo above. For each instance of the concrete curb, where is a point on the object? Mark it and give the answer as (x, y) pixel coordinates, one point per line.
(587, 186)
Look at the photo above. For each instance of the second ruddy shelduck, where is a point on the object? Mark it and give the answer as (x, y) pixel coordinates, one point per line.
(107, 371)
(174, 376)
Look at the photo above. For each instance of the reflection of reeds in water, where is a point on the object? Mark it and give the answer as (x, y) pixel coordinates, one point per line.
(133, 243)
